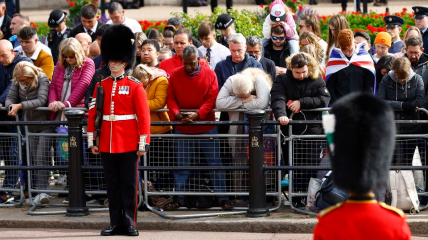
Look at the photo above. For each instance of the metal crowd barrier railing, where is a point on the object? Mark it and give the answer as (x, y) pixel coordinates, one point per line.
(255, 184)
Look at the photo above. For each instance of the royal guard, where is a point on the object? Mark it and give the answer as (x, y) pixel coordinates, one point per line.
(360, 132)
(124, 134)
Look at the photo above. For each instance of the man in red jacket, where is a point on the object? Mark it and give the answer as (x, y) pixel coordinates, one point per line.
(194, 86)
(125, 130)
(182, 39)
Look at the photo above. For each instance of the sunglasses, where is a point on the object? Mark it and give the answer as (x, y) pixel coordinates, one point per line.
(278, 38)
(70, 57)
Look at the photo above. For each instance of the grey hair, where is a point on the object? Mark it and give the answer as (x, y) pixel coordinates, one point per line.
(115, 7)
(242, 84)
(237, 38)
(174, 21)
(254, 40)
(190, 50)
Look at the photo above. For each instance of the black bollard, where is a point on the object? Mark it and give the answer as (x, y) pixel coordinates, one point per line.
(185, 6)
(76, 193)
(257, 197)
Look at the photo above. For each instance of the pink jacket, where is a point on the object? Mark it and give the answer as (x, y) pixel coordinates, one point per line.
(289, 24)
(79, 84)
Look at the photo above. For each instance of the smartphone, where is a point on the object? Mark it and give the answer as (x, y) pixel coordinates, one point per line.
(10, 108)
(289, 103)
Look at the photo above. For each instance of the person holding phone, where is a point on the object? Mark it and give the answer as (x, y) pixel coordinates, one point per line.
(301, 87)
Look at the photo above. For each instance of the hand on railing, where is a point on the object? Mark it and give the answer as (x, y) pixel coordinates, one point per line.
(284, 120)
(14, 108)
(55, 106)
(186, 117)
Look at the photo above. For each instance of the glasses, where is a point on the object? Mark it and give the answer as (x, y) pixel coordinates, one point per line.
(278, 38)
(69, 57)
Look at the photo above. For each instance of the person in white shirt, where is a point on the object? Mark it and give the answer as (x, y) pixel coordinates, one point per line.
(212, 51)
(117, 15)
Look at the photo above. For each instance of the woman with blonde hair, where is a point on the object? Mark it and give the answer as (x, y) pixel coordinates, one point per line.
(30, 90)
(155, 82)
(71, 78)
(309, 38)
(336, 24)
(310, 49)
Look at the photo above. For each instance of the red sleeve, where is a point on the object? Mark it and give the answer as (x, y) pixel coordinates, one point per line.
(142, 110)
(406, 234)
(210, 97)
(171, 102)
(318, 230)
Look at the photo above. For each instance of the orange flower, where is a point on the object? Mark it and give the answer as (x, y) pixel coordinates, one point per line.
(255, 20)
(300, 7)
(72, 4)
(95, 5)
(323, 22)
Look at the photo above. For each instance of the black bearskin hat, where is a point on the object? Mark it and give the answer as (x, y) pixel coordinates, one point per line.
(364, 142)
(119, 44)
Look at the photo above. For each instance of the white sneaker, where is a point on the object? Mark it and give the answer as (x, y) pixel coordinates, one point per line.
(41, 198)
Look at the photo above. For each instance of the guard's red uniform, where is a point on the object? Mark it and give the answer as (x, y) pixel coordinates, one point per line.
(126, 116)
(365, 220)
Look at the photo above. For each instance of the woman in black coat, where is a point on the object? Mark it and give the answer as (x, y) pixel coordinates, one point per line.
(301, 87)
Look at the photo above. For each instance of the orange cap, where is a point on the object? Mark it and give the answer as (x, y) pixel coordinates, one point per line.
(383, 38)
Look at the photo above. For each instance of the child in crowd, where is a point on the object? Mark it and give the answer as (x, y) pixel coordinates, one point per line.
(281, 15)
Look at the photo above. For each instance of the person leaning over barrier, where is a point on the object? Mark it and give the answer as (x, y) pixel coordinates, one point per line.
(301, 87)
(403, 90)
(194, 86)
(249, 89)
(155, 82)
(356, 126)
(30, 83)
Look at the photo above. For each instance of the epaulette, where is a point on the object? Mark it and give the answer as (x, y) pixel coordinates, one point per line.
(134, 79)
(327, 210)
(393, 209)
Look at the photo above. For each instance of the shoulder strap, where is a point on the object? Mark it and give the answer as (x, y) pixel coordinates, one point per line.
(411, 188)
(393, 184)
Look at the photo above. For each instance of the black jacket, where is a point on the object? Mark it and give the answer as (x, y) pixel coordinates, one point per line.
(350, 79)
(54, 41)
(269, 66)
(395, 94)
(5, 27)
(268, 49)
(311, 94)
(79, 29)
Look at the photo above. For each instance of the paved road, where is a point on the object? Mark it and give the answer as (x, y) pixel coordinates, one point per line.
(65, 234)
(164, 12)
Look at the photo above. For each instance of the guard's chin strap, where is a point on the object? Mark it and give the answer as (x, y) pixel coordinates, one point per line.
(118, 67)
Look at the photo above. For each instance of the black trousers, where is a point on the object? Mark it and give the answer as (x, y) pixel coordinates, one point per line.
(120, 172)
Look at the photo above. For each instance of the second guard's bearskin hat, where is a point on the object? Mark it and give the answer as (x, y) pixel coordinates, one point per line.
(361, 133)
(119, 44)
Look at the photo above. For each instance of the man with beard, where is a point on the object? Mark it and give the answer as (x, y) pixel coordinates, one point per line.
(277, 49)
(418, 59)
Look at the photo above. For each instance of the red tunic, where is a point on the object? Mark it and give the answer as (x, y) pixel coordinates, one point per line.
(128, 99)
(363, 220)
(169, 65)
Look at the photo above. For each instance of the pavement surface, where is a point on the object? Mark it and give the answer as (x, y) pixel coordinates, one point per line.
(278, 225)
(157, 13)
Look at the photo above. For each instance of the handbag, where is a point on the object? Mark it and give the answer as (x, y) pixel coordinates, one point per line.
(403, 191)
(329, 195)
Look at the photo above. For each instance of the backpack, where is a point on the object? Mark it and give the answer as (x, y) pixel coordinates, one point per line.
(403, 191)
(329, 195)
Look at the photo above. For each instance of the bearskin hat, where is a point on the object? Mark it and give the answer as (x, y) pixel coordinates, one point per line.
(119, 44)
(364, 142)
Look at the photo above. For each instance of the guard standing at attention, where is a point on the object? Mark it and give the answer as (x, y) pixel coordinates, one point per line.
(125, 129)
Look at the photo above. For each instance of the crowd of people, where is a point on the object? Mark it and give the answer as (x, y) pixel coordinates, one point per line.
(287, 70)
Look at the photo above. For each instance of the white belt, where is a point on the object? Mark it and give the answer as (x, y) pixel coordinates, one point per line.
(113, 117)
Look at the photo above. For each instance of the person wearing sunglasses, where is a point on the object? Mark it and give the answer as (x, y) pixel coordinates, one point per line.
(72, 76)
(277, 49)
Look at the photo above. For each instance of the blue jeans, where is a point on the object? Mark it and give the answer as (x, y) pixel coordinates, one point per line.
(186, 148)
